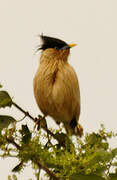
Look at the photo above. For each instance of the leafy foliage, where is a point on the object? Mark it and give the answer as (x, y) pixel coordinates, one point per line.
(5, 99)
(26, 134)
(85, 177)
(0, 85)
(5, 121)
(56, 153)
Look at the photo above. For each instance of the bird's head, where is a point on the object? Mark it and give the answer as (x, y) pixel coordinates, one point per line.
(55, 46)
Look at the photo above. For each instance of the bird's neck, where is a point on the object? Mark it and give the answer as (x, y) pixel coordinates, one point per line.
(53, 56)
(51, 62)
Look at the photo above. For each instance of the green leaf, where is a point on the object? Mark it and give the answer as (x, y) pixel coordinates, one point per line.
(101, 156)
(18, 167)
(101, 170)
(114, 152)
(26, 134)
(85, 177)
(61, 138)
(93, 139)
(105, 145)
(0, 86)
(5, 121)
(26, 138)
(64, 140)
(24, 130)
(5, 99)
(113, 176)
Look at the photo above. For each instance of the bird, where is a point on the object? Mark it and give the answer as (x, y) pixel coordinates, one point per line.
(56, 86)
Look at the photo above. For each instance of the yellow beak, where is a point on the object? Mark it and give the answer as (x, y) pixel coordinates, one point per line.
(71, 45)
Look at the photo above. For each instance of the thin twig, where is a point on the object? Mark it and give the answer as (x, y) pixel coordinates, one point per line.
(38, 174)
(9, 140)
(45, 168)
(25, 112)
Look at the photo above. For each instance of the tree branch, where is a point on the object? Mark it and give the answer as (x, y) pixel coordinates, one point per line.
(33, 119)
(45, 168)
(25, 112)
(9, 140)
(40, 165)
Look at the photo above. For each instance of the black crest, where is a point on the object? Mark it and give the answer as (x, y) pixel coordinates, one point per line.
(50, 42)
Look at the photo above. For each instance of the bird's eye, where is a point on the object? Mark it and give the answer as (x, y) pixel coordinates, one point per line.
(56, 48)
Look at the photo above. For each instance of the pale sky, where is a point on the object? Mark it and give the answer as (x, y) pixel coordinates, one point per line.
(92, 24)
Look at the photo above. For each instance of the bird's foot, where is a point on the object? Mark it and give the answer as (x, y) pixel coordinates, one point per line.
(40, 121)
(79, 130)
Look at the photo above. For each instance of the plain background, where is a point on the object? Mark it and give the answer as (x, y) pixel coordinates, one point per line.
(92, 24)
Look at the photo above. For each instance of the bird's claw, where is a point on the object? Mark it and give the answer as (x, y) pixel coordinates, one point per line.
(79, 130)
(39, 122)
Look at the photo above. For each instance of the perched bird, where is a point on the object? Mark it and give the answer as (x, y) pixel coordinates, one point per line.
(56, 86)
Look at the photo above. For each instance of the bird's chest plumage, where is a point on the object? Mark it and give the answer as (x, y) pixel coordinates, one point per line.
(43, 89)
(56, 90)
